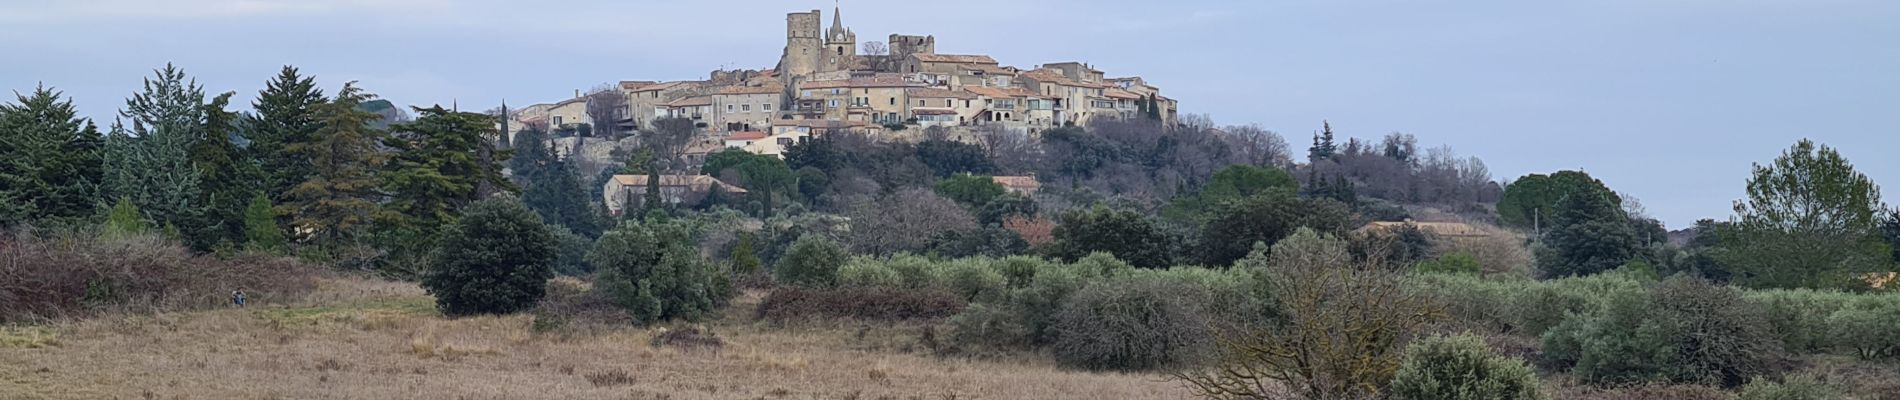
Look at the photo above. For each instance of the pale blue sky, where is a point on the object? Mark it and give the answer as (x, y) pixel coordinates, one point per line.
(1667, 100)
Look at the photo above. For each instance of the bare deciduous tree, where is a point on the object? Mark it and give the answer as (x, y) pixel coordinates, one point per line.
(905, 221)
(668, 140)
(606, 106)
(1260, 146)
(1341, 330)
(1012, 151)
(876, 48)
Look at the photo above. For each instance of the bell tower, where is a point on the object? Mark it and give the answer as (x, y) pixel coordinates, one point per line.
(841, 45)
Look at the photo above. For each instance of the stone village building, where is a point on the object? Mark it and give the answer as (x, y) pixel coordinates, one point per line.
(822, 84)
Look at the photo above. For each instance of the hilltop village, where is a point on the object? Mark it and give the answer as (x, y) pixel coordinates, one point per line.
(827, 81)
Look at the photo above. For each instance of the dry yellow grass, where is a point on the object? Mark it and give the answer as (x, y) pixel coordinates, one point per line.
(357, 339)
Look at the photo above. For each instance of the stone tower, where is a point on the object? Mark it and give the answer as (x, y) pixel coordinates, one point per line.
(841, 45)
(903, 46)
(803, 45)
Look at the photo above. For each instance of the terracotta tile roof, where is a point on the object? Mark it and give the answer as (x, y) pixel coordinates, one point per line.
(955, 58)
(932, 111)
(747, 135)
(931, 92)
(695, 182)
(1114, 93)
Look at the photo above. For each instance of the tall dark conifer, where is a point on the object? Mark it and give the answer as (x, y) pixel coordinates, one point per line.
(286, 116)
(150, 162)
(444, 160)
(49, 160)
(337, 201)
(227, 177)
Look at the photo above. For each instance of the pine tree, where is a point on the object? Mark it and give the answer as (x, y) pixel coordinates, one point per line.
(49, 160)
(150, 163)
(261, 232)
(444, 161)
(1323, 146)
(227, 179)
(286, 116)
(336, 202)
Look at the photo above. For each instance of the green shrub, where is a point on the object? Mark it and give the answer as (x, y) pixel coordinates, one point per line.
(1227, 297)
(1454, 263)
(988, 327)
(971, 279)
(572, 258)
(496, 259)
(1869, 325)
(813, 261)
(1128, 324)
(1462, 368)
(1474, 302)
(654, 272)
(1539, 306)
(1793, 387)
(1799, 317)
(867, 272)
(880, 303)
(1102, 264)
(913, 271)
(1685, 330)
(1019, 271)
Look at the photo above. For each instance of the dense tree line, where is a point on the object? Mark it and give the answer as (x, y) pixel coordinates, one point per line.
(1206, 252)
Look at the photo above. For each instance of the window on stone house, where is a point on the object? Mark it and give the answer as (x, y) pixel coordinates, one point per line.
(729, 108)
(745, 107)
(766, 107)
(949, 103)
(834, 103)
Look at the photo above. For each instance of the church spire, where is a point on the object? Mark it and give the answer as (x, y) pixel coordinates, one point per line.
(837, 21)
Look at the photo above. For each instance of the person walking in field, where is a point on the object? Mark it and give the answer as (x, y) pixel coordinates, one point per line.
(237, 297)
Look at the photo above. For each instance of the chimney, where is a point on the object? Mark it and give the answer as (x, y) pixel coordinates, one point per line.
(577, 93)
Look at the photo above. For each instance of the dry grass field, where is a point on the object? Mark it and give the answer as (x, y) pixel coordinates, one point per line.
(357, 339)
